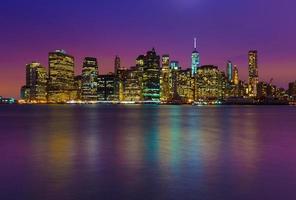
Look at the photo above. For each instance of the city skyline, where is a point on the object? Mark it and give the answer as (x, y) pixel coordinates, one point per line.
(225, 31)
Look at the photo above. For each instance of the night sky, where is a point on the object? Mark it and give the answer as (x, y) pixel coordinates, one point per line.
(226, 29)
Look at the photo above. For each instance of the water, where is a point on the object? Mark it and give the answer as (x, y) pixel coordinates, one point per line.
(62, 152)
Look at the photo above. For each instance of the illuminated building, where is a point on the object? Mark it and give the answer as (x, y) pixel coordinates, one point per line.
(61, 77)
(165, 79)
(36, 83)
(253, 73)
(174, 69)
(7, 100)
(195, 59)
(235, 76)
(229, 71)
(151, 76)
(25, 93)
(185, 85)
(90, 79)
(132, 86)
(120, 83)
(106, 87)
(210, 83)
(117, 65)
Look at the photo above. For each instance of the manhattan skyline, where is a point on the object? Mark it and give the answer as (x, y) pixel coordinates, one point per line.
(106, 29)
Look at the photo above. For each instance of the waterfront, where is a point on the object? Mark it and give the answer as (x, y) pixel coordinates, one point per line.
(147, 152)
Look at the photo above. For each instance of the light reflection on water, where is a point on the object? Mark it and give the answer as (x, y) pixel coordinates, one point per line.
(147, 152)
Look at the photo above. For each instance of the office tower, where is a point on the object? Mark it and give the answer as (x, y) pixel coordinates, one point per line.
(106, 87)
(132, 87)
(229, 71)
(253, 73)
(185, 85)
(36, 83)
(90, 79)
(61, 77)
(174, 69)
(165, 79)
(195, 59)
(235, 76)
(151, 76)
(117, 65)
(210, 83)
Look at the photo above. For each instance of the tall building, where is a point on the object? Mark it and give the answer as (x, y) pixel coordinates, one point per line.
(229, 71)
(36, 83)
(253, 73)
(185, 85)
(235, 76)
(195, 59)
(90, 79)
(165, 79)
(174, 69)
(117, 65)
(151, 76)
(106, 87)
(210, 83)
(132, 87)
(61, 77)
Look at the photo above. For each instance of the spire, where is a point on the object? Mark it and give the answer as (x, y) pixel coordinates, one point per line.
(195, 43)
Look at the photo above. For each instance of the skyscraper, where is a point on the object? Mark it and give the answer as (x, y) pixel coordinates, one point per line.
(235, 76)
(117, 65)
(165, 79)
(195, 59)
(229, 71)
(151, 76)
(61, 77)
(210, 83)
(253, 73)
(36, 82)
(90, 79)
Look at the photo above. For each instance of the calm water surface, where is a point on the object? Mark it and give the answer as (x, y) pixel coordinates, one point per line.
(66, 152)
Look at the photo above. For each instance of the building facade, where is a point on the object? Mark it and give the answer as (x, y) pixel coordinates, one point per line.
(195, 59)
(210, 83)
(151, 76)
(61, 77)
(35, 89)
(90, 79)
(253, 73)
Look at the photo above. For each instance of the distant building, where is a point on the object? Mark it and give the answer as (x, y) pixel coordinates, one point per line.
(90, 79)
(106, 87)
(7, 100)
(165, 76)
(210, 83)
(235, 76)
(61, 77)
(185, 85)
(117, 65)
(229, 71)
(35, 89)
(132, 87)
(253, 73)
(195, 59)
(151, 76)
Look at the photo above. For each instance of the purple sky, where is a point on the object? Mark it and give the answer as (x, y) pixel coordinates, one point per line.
(226, 29)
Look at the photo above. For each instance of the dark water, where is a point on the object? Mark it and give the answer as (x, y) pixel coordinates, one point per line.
(147, 152)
